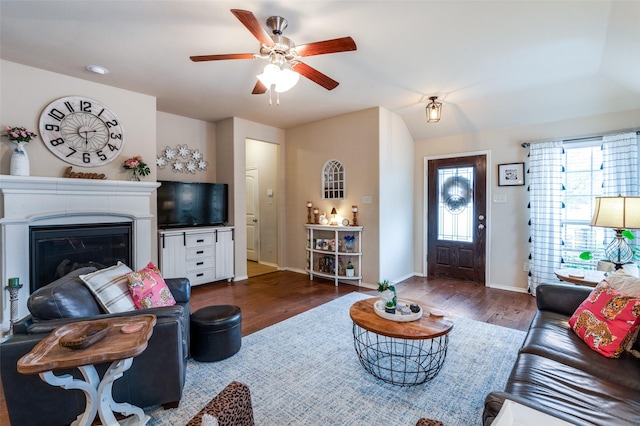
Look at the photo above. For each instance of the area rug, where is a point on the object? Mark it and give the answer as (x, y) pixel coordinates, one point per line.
(304, 371)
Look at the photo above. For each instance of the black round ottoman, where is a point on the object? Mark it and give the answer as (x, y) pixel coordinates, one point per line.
(216, 332)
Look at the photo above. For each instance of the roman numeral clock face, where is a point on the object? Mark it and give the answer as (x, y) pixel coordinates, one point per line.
(81, 131)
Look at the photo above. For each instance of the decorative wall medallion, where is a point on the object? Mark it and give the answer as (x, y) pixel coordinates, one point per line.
(182, 160)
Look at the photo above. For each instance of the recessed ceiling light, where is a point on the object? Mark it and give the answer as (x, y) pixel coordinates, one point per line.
(97, 69)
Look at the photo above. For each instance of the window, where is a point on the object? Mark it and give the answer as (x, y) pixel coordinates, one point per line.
(565, 177)
(582, 183)
(333, 180)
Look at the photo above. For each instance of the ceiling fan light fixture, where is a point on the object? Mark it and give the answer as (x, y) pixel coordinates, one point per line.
(287, 79)
(269, 75)
(434, 110)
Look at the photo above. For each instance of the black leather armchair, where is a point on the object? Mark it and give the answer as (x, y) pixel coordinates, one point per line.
(156, 376)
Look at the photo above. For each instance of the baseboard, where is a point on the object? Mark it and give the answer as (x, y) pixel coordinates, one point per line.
(507, 288)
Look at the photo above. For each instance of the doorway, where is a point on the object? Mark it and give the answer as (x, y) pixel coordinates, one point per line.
(262, 198)
(253, 213)
(456, 218)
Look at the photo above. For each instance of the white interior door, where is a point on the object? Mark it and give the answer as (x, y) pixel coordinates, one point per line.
(253, 225)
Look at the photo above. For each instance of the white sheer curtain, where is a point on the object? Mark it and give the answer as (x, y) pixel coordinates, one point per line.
(620, 169)
(620, 164)
(545, 203)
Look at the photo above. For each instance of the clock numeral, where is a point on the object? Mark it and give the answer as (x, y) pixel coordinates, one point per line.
(86, 157)
(56, 114)
(52, 127)
(111, 123)
(73, 151)
(56, 142)
(85, 106)
(116, 136)
(112, 147)
(101, 156)
(100, 113)
(69, 106)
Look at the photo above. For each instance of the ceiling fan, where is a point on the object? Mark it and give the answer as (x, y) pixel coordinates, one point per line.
(285, 65)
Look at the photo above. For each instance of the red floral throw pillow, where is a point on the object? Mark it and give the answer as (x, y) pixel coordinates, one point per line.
(606, 320)
(148, 289)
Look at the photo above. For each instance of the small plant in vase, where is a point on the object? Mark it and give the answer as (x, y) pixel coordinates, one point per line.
(388, 296)
(350, 270)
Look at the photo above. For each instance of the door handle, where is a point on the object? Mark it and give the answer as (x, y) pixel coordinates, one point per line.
(255, 220)
(481, 226)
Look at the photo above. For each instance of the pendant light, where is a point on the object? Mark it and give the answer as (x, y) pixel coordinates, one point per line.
(434, 109)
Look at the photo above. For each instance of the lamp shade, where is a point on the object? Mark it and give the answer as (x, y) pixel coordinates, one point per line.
(286, 80)
(269, 75)
(617, 212)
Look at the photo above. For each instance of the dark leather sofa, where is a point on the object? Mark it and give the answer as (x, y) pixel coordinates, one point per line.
(156, 376)
(558, 374)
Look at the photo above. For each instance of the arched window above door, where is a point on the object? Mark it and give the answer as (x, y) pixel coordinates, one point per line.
(333, 180)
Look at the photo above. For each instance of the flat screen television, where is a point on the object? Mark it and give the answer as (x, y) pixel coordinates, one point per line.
(189, 204)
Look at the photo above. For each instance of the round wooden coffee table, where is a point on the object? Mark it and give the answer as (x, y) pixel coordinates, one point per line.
(400, 353)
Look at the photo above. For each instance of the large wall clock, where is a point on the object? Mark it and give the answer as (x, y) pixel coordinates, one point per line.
(81, 131)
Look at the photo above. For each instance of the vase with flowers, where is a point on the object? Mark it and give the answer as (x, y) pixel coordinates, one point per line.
(19, 159)
(137, 166)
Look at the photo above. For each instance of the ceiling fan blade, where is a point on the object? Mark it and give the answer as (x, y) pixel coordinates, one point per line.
(259, 88)
(344, 44)
(315, 75)
(249, 20)
(203, 58)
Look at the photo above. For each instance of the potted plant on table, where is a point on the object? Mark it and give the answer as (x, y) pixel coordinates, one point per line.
(388, 296)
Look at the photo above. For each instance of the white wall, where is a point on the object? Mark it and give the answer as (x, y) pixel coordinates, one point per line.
(396, 198)
(508, 222)
(174, 130)
(353, 140)
(26, 91)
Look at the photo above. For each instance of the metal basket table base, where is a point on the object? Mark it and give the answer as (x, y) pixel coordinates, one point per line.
(401, 362)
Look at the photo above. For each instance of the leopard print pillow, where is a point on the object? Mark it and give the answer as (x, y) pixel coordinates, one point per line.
(607, 320)
(232, 407)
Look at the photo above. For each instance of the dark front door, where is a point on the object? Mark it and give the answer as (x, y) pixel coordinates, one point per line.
(456, 218)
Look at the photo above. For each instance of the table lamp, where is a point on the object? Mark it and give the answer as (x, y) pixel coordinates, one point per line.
(619, 213)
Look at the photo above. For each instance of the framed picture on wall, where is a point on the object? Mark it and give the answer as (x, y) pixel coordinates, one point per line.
(511, 174)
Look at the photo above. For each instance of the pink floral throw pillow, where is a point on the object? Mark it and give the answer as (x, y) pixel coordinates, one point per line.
(148, 289)
(607, 320)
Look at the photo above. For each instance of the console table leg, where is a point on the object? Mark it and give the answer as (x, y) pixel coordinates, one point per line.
(108, 406)
(88, 386)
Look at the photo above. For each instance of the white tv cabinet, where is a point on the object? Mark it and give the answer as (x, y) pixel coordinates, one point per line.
(203, 254)
(327, 254)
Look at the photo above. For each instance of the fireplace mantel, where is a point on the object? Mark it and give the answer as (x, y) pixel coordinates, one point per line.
(32, 201)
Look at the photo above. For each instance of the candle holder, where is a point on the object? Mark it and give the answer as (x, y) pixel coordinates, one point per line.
(316, 216)
(354, 209)
(13, 288)
(309, 211)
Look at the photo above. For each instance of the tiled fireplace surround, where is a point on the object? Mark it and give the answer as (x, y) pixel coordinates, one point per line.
(38, 201)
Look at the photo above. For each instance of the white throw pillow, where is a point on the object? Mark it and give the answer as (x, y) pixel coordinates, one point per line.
(110, 287)
(625, 283)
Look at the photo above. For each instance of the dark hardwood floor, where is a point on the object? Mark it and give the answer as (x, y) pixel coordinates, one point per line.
(271, 298)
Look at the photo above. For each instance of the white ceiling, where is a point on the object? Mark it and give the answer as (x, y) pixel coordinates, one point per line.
(492, 63)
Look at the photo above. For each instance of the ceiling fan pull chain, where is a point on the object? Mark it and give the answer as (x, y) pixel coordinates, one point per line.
(277, 98)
